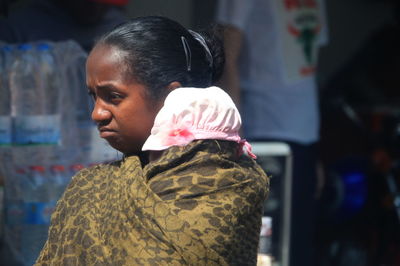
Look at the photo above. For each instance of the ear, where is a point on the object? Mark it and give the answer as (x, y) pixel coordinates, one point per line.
(173, 85)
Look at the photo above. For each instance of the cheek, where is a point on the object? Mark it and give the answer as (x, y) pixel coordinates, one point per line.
(138, 125)
(136, 120)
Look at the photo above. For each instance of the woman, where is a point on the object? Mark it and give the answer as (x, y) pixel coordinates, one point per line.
(183, 194)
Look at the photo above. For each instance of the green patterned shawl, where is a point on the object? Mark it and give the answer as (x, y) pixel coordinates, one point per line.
(196, 205)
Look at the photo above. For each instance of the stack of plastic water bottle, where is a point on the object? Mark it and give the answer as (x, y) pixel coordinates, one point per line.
(45, 138)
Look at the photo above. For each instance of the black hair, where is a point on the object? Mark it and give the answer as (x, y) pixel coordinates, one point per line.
(155, 54)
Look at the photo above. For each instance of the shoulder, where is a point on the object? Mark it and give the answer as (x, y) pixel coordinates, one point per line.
(207, 166)
(91, 180)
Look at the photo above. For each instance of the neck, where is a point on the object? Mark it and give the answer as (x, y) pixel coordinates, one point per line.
(154, 155)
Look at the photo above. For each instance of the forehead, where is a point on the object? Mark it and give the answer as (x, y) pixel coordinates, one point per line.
(106, 62)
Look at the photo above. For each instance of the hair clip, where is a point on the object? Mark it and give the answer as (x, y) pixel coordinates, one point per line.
(202, 41)
(188, 53)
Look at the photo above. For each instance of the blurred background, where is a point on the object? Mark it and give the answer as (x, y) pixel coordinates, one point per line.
(44, 141)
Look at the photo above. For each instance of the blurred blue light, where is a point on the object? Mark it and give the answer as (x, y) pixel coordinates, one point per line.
(355, 187)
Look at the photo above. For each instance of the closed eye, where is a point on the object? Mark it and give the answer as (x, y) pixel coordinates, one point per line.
(115, 97)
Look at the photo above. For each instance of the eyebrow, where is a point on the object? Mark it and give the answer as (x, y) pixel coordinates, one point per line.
(106, 86)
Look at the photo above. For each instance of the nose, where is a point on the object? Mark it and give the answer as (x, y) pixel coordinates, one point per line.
(100, 113)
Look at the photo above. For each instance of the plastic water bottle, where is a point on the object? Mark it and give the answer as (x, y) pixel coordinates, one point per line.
(37, 214)
(14, 210)
(25, 96)
(75, 168)
(5, 106)
(58, 175)
(33, 92)
(70, 60)
(13, 197)
(49, 82)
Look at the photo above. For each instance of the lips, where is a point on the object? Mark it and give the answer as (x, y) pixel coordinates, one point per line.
(107, 132)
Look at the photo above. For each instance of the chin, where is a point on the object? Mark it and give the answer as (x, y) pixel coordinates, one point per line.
(127, 148)
(124, 149)
(117, 145)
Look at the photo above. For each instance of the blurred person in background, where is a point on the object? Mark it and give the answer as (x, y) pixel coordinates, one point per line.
(271, 55)
(60, 20)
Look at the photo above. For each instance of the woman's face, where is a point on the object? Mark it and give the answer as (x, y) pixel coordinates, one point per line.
(122, 111)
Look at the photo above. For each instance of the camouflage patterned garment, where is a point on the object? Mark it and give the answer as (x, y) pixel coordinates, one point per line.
(196, 205)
